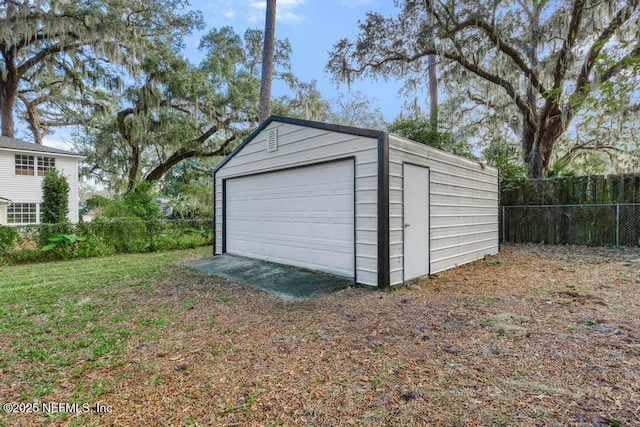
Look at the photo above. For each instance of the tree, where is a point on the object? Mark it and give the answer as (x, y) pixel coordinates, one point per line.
(267, 61)
(355, 109)
(55, 198)
(179, 111)
(542, 62)
(307, 103)
(432, 77)
(349, 109)
(189, 187)
(421, 129)
(55, 49)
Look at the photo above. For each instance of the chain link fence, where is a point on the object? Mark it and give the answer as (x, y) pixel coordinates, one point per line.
(616, 224)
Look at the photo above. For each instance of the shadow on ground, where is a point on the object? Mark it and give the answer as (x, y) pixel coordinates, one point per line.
(283, 280)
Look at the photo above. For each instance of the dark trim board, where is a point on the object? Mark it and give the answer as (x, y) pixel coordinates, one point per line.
(341, 159)
(355, 219)
(224, 216)
(384, 263)
(213, 173)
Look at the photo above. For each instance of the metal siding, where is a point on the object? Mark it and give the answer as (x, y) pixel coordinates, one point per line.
(299, 145)
(464, 205)
(300, 216)
(396, 227)
(296, 146)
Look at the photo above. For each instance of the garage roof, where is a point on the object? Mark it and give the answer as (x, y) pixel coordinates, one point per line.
(372, 133)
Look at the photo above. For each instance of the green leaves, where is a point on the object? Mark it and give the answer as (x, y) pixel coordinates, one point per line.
(527, 72)
(65, 56)
(177, 110)
(61, 240)
(55, 198)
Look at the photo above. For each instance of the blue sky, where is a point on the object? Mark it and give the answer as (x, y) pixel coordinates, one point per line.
(312, 27)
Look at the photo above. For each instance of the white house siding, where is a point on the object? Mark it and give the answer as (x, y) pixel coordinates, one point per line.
(463, 209)
(28, 189)
(302, 145)
(69, 167)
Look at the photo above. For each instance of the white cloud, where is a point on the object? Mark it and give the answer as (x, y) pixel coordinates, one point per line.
(218, 12)
(228, 12)
(54, 142)
(285, 12)
(357, 3)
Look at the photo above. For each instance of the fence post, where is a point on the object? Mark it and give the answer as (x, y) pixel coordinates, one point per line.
(617, 225)
(504, 226)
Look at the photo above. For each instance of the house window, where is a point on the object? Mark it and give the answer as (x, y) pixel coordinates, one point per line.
(44, 164)
(22, 213)
(24, 165)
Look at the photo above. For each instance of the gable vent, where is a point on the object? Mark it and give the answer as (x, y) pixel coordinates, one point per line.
(272, 140)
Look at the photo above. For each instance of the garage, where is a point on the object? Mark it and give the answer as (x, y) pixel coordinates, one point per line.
(364, 204)
(302, 216)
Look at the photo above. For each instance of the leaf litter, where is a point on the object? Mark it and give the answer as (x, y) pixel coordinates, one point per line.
(539, 335)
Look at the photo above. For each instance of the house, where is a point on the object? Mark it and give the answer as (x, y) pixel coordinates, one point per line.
(360, 203)
(22, 168)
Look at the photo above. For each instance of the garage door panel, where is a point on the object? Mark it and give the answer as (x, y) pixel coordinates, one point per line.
(302, 216)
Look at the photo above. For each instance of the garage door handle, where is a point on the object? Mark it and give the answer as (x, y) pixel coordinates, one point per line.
(406, 225)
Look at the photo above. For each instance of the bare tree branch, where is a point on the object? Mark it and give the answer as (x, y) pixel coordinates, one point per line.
(508, 50)
(39, 56)
(583, 81)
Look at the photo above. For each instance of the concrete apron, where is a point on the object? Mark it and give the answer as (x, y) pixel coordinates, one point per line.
(283, 280)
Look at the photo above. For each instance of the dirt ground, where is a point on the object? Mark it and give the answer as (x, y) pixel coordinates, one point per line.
(537, 336)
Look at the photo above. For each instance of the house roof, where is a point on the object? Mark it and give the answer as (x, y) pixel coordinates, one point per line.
(4, 201)
(7, 143)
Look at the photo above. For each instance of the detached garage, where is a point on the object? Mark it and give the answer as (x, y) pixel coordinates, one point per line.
(358, 203)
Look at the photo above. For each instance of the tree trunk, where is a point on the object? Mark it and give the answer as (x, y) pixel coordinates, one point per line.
(543, 145)
(159, 171)
(528, 139)
(7, 101)
(8, 83)
(267, 61)
(34, 122)
(134, 167)
(433, 93)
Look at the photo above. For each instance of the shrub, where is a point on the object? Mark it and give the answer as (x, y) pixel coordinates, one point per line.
(8, 238)
(55, 198)
(102, 237)
(124, 235)
(63, 245)
(47, 230)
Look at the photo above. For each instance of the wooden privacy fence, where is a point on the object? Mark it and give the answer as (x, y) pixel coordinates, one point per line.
(595, 210)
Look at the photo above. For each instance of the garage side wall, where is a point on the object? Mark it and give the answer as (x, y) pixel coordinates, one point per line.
(302, 145)
(463, 207)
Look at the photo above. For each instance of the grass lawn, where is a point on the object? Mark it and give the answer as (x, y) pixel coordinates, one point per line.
(62, 320)
(539, 335)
